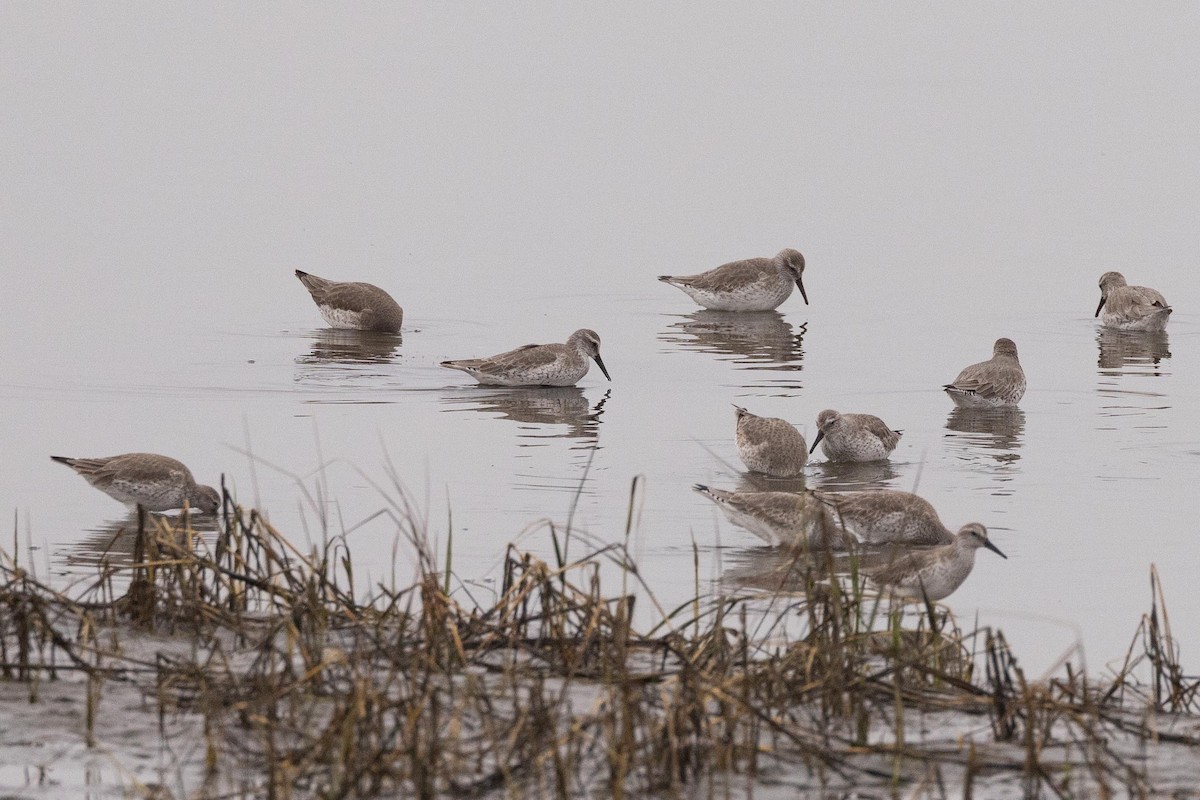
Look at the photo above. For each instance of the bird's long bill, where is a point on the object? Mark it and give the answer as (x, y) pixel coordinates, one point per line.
(600, 364)
(800, 286)
(816, 441)
(1100, 306)
(995, 550)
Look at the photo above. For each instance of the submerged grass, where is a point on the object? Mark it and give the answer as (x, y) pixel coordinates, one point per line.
(302, 689)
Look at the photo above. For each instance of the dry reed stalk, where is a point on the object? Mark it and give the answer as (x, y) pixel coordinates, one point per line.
(304, 689)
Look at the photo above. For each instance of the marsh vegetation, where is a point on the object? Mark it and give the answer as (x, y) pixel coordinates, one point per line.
(266, 673)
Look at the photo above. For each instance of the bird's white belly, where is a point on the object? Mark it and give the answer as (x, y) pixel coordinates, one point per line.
(152, 497)
(340, 317)
(855, 448)
(556, 373)
(764, 295)
(1150, 322)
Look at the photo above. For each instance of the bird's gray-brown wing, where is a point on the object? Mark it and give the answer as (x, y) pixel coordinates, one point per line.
(754, 431)
(312, 282)
(357, 297)
(878, 428)
(987, 378)
(896, 570)
(84, 466)
(857, 506)
(971, 378)
(771, 432)
(1151, 296)
(528, 356)
(131, 469)
(1136, 302)
(869, 512)
(137, 468)
(859, 510)
(777, 508)
(784, 510)
(727, 277)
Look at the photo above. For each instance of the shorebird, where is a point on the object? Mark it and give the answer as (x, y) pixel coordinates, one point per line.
(999, 381)
(154, 482)
(754, 284)
(770, 445)
(780, 518)
(361, 306)
(854, 437)
(537, 364)
(935, 573)
(1131, 308)
(884, 516)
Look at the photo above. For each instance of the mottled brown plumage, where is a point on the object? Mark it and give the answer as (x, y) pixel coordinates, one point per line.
(884, 516)
(999, 381)
(361, 306)
(537, 364)
(1131, 308)
(753, 284)
(854, 437)
(770, 445)
(157, 483)
(781, 519)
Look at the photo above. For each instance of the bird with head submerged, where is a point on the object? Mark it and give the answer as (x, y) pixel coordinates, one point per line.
(537, 364)
(770, 445)
(781, 519)
(350, 304)
(886, 516)
(753, 284)
(154, 482)
(1131, 308)
(934, 574)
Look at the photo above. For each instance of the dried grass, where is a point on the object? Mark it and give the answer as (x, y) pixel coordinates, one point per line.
(305, 690)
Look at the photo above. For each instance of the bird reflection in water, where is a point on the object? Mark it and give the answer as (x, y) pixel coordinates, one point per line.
(539, 407)
(783, 569)
(1135, 355)
(758, 482)
(113, 543)
(850, 476)
(344, 346)
(759, 339)
(996, 428)
(988, 438)
(1132, 352)
(341, 357)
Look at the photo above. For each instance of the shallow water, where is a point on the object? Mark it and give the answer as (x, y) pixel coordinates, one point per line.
(166, 173)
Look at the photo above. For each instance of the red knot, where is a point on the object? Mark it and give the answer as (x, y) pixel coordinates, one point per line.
(754, 284)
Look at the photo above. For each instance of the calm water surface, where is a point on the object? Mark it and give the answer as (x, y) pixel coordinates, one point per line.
(165, 174)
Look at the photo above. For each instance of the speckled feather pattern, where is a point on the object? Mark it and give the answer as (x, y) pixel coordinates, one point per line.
(855, 437)
(781, 519)
(536, 364)
(885, 516)
(753, 284)
(157, 483)
(770, 445)
(1131, 308)
(999, 381)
